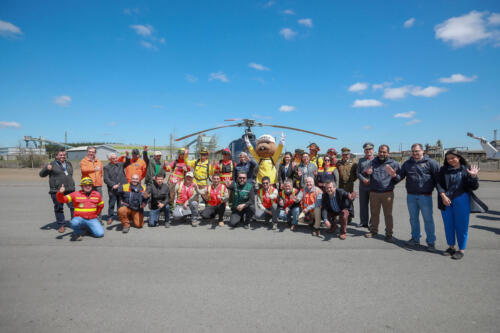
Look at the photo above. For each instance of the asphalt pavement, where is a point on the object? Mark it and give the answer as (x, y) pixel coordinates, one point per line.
(206, 279)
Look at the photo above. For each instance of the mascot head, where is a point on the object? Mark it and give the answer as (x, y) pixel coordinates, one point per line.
(265, 146)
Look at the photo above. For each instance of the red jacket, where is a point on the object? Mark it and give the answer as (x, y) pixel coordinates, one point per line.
(86, 206)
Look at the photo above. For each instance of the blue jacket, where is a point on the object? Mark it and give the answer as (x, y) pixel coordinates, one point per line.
(421, 176)
(380, 180)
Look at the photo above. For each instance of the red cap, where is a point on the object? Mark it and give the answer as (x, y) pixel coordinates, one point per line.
(226, 151)
(332, 150)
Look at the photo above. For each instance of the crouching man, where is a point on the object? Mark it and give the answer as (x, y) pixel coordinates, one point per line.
(290, 207)
(186, 200)
(267, 203)
(336, 202)
(310, 202)
(134, 198)
(88, 205)
(215, 196)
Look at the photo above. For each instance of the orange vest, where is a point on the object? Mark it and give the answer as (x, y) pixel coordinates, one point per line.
(286, 198)
(309, 198)
(184, 193)
(264, 197)
(87, 207)
(215, 195)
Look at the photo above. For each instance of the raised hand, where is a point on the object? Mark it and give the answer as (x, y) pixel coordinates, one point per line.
(390, 170)
(49, 166)
(473, 171)
(282, 140)
(353, 195)
(247, 141)
(62, 189)
(126, 152)
(145, 148)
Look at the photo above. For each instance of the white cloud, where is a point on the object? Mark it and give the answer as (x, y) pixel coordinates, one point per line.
(378, 86)
(287, 108)
(469, 29)
(258, 67)
(8, 29)
(430, 91)
(191, 78)
(413, 122)
(366, 103)
(358, 86)
(9, 124)
(409, 23)
(288, 33)
(307, 22)
(218, 76)
(269, 4)
(408, 114)
(458, 78)
(62, 100)
(289, 12)
(130, 11)
(143, 30)
(396, 93)
(148, 45)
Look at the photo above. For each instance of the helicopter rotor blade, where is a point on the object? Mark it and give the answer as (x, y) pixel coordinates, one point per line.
(233, 119)
(210, 129)
(301, 130)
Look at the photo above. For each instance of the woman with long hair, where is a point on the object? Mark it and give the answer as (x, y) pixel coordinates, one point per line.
(456, 181)
(286, 169)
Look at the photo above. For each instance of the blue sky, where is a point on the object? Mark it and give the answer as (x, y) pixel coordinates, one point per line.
(394, 72)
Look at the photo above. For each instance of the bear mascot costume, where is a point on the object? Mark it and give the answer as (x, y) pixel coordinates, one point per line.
(266, 154)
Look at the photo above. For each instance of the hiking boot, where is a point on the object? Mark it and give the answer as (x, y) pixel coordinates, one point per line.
(61, 229)
(342, 236)
(449, 252)
(457, 255)
(431, 248)
(126, 230)
(370, 234)
(76, 237)
(221, 223)
(388, 238)
(412, 242)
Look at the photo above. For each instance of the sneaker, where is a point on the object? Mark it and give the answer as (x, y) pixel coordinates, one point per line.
(61, 229)
(342, 236)
(195, 223)
(449, 252)
(246, 226)
(388, 239)
(274, 227)
(457, 255)
(293, 227)
(412, 242)
(76, 238)
(431, 248)
(167, 224)
(221, 224)
(370, 234)
(126, 230)
(110, 220)
(315, 232)
(361, 225)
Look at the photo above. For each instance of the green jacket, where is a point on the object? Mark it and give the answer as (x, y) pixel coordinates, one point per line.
(242, 195)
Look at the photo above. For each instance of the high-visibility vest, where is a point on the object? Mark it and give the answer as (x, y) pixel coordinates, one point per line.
(86, 206)
(287, 202)
(264, 197)
(201, 171)
(309, 198)
(215, 195)
(225, 170)
(177, 170)
(184, 193)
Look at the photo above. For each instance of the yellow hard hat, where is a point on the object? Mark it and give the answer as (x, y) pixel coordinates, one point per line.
(86, 181)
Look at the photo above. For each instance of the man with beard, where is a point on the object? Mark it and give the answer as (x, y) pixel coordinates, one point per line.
(290, 208)
(134, 198)
(336, 202)
(383, 173)
(242, 201)
(88, 205)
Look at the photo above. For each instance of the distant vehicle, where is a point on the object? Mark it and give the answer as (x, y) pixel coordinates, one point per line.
(490, 151)
(238, 145)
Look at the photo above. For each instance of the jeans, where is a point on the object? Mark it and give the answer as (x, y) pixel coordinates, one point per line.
(456, 220)
(114, 199)
(179, 212)
(154, 215)
(421, 203)
(59, 209)
(93, 225)
(292, 216)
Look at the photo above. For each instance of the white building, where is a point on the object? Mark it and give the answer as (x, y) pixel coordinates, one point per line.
(13, 153)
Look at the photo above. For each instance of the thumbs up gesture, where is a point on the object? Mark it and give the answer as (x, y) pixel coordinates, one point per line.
(49, 166)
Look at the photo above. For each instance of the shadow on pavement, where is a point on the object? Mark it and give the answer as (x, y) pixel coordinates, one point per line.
(51, 226)
(481, 227)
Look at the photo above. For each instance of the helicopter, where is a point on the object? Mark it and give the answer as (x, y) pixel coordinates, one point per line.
(491, 152)
(237, 146)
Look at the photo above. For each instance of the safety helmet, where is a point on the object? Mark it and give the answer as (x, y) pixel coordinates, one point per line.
(204, 150)
(86, 181)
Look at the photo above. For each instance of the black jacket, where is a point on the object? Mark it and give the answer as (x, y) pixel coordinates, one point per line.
(132, 196)
(380, 180)
(342, 198)
(249, 168)
(115, 174)
(159, 194)
(57, 177)
(289, 174)
(468, 185)
(421, 176)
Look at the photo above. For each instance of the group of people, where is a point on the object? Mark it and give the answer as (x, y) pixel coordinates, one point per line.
(304, 188)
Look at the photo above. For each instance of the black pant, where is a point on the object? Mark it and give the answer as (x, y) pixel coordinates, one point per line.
(114, 199)
(210, 211)
(237, 216)
(59, 208)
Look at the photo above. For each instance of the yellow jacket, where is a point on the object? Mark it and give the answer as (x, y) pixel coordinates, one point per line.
(200, 170)
(267, 165)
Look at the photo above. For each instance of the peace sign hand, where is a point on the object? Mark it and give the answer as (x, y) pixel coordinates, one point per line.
(473, 171)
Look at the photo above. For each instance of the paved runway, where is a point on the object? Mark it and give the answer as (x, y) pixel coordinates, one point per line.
(185, 279)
